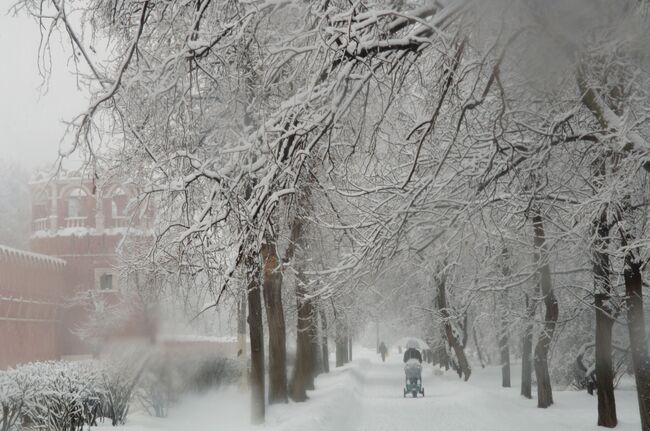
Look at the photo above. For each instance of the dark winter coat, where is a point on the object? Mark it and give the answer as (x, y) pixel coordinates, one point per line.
(383, 349)
(412, 354)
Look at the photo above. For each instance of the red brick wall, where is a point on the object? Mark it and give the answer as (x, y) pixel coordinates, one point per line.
(31, 288)
(83, 254)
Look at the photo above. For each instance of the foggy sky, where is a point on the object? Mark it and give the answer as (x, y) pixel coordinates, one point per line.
(31, 116)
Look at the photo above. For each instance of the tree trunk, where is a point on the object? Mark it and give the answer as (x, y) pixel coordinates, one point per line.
(349, 347)
(275, 319)
(256, 331)
(503, 340)
(453, 341)
(544, 390)
(341, 345)
(604, 323)
(325, 353)
(441, 353)
(303, 378)
(315, 338)
(636, 329)
(504, 350)
(527, 352)
(303, 372)
(242, 354)
(478, 347)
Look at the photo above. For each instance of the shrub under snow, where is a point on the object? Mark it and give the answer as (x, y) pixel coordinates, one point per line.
(57, 396)
(169, 375)
(68, 396)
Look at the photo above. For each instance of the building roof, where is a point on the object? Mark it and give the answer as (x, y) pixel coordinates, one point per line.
(16, 255)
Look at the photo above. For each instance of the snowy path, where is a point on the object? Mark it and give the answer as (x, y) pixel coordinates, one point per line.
(480, 404)
(449, 404)
(366, 395)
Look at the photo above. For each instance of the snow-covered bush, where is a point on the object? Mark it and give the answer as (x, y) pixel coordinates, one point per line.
(63, 395)
(159, 386)
(68, 396)
(11, 401)
(169, 375)
(118, 377)
(209, 371)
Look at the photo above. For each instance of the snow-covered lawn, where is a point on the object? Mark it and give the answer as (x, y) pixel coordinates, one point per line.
(366, 395)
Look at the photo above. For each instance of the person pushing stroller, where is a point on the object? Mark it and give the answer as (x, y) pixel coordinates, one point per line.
(413, 370)
(412, 352)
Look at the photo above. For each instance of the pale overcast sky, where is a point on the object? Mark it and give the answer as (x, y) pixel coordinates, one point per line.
(31, 119)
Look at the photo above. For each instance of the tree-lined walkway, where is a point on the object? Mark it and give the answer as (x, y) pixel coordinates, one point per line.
(478, 405)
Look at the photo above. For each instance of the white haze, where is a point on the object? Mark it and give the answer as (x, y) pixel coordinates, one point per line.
(32, 112)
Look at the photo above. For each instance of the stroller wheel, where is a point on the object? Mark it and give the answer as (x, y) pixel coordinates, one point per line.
(422, 391)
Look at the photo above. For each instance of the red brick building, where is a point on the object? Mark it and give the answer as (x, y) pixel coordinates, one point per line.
(76, 229)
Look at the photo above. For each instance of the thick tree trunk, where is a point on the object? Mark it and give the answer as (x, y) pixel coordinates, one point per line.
(604, 324)
(504, 350)
(454, 343)
(527, 352)
(303, 372)
(636, 329)
(275, 319)
(544, 390)
(256, 333)
(325, 348)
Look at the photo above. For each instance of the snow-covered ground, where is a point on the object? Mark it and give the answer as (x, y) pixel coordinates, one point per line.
(366, 395)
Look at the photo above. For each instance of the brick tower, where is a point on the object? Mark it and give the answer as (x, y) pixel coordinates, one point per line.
(83, 225)
(69, 280)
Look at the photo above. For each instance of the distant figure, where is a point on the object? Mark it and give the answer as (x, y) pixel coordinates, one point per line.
(382, 351)
(412, 352)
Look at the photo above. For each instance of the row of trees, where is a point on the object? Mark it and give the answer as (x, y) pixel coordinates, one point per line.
(483, 160)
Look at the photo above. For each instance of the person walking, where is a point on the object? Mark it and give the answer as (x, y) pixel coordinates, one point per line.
(383, 350)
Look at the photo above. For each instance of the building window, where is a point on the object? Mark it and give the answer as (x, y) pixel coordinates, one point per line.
(106, 282)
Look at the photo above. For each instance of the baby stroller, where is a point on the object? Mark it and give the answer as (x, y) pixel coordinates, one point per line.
(413, 378)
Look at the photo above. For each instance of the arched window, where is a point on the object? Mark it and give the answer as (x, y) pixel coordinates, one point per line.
(75, 203)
